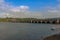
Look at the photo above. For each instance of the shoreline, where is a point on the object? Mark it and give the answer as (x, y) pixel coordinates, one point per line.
(53, 37)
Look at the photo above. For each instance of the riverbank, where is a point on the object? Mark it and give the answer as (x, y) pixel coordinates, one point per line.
(53, 37)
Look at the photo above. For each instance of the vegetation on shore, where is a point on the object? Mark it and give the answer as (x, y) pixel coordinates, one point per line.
(23, 20)
(17, 19)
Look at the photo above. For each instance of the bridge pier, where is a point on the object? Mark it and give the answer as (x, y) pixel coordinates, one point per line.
(57, 21)
(31, 21)
(41, 21)
(37, 21)
(45, 21)
(51, 22)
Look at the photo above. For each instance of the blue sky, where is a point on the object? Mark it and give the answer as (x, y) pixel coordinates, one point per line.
(33, 4)
(30, 8)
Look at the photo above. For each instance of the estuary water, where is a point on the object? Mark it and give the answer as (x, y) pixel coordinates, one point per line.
(26, 31)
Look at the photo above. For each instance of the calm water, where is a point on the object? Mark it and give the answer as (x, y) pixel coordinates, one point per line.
(25, 31)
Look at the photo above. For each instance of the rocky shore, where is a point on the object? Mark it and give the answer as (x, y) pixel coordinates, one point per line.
(53, 37)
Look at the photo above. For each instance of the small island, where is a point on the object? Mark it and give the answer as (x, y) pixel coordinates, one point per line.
(53, 37)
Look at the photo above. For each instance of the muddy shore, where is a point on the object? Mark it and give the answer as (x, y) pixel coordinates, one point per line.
(53, 37)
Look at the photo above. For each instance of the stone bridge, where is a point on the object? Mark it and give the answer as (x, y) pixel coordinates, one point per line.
(45, 21)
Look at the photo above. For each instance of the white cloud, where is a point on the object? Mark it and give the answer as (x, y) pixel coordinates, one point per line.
(23, 11)
(1, 1)
(18, 11)
(24, 7)
(54, 13)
